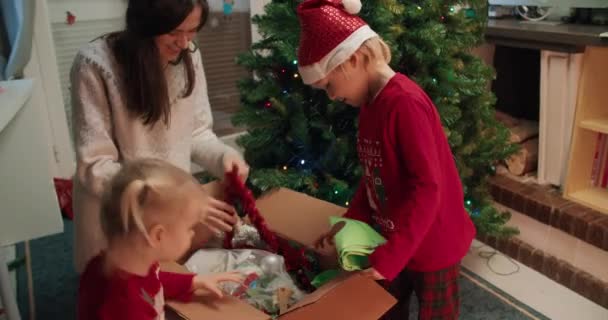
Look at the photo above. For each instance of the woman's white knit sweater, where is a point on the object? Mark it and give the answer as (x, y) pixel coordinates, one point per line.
(107, 134)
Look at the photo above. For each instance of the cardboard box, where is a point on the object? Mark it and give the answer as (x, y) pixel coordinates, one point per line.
(296, 216)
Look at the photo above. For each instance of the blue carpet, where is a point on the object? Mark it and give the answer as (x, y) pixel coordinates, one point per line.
(56, 284)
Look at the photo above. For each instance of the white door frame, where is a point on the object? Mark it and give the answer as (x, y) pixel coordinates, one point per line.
(43, 67)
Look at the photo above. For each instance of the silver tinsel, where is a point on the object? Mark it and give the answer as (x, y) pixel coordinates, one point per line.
(246, 235)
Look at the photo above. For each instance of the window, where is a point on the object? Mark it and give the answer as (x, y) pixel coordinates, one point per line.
(221, 41)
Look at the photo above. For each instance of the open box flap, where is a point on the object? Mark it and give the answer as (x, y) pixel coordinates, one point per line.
(300, 218)
(202, 308)
(297, 216)
(346, 297)
(210, 308)
(292, 215)
(357, 297)
(213, 306)
(317, 294)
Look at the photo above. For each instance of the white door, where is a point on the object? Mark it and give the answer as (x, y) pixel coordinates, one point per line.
(55, 45)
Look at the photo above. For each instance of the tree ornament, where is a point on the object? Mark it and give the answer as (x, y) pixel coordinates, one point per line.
(271, 264)
(459, 65)
(70, 18)
(228, 7)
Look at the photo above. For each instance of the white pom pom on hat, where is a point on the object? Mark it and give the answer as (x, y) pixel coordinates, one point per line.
(352, 6)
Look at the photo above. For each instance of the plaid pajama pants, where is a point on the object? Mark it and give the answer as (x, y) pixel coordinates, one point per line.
(437, 293)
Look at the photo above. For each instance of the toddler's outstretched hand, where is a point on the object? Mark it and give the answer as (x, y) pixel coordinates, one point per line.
(211, 281)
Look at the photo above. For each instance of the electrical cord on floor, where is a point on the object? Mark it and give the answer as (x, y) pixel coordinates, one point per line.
(487, 255)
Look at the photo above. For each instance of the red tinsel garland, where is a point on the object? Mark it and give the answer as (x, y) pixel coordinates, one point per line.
(237, 191)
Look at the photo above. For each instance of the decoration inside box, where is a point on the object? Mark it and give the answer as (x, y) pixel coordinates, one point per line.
(297, 260)
(274, 281)
(278, 272)
(267, 286)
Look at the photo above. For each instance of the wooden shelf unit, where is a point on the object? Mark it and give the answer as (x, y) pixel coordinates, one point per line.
(591, 120)
(597, 125)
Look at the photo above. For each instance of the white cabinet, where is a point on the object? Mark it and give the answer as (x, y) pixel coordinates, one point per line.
(560, 73)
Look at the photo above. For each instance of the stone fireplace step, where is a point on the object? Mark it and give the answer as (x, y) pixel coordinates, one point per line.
(547, 206)
(552, 266)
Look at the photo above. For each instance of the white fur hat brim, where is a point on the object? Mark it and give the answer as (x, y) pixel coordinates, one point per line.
(319, 70)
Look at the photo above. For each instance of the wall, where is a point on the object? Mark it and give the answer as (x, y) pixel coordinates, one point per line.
(56, 43)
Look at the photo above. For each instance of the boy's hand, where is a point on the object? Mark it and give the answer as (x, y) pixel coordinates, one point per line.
(328, 238)
(373, 274)
(211, 282)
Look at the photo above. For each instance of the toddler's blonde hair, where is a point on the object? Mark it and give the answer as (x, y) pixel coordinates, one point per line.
(144, 191)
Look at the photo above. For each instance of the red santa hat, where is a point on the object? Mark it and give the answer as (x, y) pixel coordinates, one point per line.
(330, 33)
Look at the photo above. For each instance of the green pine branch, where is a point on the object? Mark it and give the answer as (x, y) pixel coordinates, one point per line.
(299, 139)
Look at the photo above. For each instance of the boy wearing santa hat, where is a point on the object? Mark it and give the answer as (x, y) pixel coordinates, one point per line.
(410, 189)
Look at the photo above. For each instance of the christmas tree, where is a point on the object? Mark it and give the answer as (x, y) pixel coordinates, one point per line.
(298, 138)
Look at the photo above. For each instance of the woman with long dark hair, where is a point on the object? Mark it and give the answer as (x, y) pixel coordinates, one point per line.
(142, 93)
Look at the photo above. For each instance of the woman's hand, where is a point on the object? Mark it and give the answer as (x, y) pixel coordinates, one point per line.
(211, 282)
(231, 161)
(217, 215)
